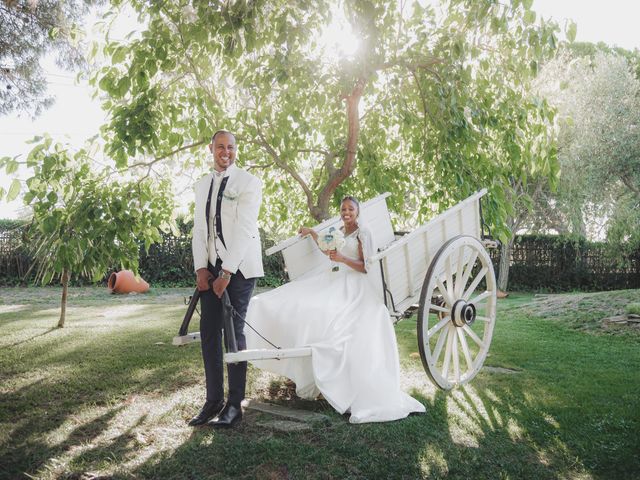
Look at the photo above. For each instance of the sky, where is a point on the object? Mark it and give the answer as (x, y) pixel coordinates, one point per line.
(76, 116)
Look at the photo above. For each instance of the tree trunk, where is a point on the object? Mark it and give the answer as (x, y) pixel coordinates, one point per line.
(63, 303)
(321, 210)
(505, 262)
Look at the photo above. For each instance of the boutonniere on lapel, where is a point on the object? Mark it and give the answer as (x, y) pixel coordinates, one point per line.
(230, 193)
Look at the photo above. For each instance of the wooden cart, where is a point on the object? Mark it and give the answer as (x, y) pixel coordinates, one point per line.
(442, 269)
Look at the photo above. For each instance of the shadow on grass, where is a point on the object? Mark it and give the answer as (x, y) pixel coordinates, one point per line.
(52, 386)
(420, 446)
(499, 426)
(20, 342)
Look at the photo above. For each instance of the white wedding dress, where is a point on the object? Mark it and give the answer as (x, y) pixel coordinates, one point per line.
(354, 361)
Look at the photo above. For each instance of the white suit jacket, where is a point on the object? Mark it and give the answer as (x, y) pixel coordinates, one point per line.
(239, 216)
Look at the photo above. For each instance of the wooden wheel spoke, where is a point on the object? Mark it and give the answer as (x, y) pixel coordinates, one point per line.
(447, 352)
(449, 279)
(475, 283)
(482, 318)
(438, 308)
(438, 326)
(456, 358)
(468, 270)
(465, 349)
(457, 289)
(473, 336)
(444, 292)
(480, 297)
(439, 344)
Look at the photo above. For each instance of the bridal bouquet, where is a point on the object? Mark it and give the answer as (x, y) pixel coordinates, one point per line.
(331, 240)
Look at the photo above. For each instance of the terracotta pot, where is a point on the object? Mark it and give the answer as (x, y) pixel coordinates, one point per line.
(125, 281)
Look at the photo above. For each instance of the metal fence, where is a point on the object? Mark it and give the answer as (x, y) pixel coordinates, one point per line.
(551, 263)
(558, 263)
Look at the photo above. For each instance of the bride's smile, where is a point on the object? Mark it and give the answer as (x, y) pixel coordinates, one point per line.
(349, 214)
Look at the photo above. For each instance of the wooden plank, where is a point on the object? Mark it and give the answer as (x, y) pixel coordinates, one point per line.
(477, 219)
(472, 200)
(408, 269)
(267, 354)
(302, 257)
(185, 339)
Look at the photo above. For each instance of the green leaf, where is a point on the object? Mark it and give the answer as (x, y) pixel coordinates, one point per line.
(572, 29)
(106, 84)
(11, 166)
(119, 55)
(14, 190)
(527, 4)
(48, 225)
(123, 86)
(529, 17)
(35, 139)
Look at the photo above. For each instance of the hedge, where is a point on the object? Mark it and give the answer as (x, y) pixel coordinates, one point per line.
(539, 262)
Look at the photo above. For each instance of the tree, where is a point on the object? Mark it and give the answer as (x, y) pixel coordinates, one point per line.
(28, 30)
(434, 105)
(84, 222)
(598, 102)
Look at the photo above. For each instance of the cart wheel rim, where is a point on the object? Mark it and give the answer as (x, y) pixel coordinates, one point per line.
(455, 331)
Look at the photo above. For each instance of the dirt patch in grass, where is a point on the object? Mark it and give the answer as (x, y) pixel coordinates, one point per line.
(586, 311)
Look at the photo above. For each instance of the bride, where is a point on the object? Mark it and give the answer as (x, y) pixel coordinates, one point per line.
(354, 361)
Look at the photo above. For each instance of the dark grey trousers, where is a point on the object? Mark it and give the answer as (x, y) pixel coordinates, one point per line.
(240, 290)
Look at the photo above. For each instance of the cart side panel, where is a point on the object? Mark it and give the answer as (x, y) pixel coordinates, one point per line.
(303, 258)
(376, 218)
(395, 277)
(405, 284)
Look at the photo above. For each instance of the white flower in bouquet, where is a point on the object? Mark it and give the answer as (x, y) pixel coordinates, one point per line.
(331, 240)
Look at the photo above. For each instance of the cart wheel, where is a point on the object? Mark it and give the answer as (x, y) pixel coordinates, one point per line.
(457, 312)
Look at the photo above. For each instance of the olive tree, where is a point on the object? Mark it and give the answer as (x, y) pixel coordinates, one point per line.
(598, 103)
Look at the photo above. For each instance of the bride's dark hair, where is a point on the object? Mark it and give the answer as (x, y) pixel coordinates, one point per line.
(354, 200)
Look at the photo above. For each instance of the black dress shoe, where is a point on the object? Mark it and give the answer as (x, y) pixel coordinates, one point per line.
(228, 417)
(210, 410)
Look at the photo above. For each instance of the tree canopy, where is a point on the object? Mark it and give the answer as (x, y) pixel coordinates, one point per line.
(86, 221)
(598, 100)
(29, 30)
(434, 103)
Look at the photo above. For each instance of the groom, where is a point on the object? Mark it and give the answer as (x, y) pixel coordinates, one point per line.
(226, 256)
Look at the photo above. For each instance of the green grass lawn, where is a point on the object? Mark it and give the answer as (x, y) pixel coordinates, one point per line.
(108, 396)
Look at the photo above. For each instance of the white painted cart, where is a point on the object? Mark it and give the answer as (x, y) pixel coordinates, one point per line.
(442, 267)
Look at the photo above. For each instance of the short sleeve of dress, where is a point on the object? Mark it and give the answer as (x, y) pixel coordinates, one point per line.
(366, 240)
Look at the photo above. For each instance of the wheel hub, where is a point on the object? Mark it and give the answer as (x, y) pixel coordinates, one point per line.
(463, 313)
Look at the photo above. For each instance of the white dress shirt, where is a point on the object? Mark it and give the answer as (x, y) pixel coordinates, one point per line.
(215, 244)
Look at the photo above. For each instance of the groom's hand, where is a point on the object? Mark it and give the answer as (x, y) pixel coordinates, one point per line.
(202, 279)
(219, 286)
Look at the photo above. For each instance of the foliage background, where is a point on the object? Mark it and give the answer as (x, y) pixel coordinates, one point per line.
(539, 263)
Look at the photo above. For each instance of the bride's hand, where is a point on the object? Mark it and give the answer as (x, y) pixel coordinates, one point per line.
(336, 256)
(304, 231)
